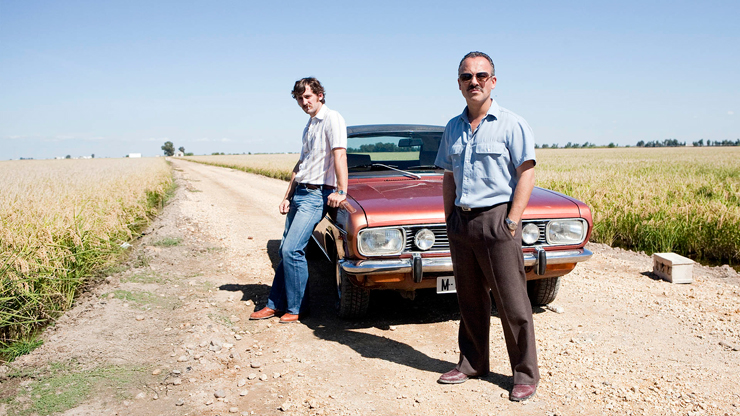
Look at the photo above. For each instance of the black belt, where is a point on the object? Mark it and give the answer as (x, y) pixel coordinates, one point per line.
(312, 186)
(467, 210)
(473, 210)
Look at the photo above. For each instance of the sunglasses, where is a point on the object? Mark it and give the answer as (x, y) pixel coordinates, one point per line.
(481, 76)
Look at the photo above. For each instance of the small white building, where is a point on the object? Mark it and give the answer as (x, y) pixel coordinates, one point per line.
(134, 155)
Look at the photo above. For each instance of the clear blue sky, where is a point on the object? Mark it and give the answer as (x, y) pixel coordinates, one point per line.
(117, 77)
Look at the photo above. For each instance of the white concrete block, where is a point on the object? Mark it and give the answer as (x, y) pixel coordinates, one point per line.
(673, 268)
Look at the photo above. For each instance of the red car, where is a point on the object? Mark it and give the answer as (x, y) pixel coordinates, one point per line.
(396, 237)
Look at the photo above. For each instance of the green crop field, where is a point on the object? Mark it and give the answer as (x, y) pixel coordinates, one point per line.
(685, 200)
(60, 221)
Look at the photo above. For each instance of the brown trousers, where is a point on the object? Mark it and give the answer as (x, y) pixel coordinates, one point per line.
(487, 259)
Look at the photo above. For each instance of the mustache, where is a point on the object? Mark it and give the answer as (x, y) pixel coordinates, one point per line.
(475, 87)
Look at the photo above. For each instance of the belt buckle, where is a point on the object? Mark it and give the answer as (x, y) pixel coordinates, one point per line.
(466, 209)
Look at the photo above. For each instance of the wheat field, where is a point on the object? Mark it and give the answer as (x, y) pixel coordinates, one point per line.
(279, 165)
(684, 200)
(61, 220)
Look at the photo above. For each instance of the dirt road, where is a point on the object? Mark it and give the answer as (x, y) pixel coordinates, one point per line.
(169, 333)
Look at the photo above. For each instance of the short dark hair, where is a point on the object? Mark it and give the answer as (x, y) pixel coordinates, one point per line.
(300, 87)
(476, 54)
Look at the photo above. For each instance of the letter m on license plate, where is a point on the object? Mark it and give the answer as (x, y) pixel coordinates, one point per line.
(446, 284)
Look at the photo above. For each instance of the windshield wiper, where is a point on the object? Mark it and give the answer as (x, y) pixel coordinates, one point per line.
(412, 175)
(424, 167)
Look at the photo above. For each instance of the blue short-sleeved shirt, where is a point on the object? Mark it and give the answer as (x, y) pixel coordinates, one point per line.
(484, 161)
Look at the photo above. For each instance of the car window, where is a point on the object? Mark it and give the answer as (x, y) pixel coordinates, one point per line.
(403, 150)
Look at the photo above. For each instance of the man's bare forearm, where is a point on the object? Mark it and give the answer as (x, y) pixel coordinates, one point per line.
(291, 183)
(448, 193)
(340, 168)
(336, 200)
(523, 190)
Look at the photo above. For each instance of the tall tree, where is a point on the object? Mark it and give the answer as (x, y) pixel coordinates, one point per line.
(168, 148)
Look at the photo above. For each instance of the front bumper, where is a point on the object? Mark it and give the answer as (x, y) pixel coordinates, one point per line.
(418, 265)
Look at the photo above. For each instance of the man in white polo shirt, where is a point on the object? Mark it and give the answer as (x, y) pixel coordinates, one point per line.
(319, 179)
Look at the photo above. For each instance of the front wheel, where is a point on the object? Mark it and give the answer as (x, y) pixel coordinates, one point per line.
(353, 301)
(543, 291)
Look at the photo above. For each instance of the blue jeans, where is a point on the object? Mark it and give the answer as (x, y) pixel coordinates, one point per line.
(307, 208)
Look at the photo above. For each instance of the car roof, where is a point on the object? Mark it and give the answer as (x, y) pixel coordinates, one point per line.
(392, 128)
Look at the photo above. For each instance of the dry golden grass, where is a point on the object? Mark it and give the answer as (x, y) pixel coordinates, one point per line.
(277, 166)
(59, 221)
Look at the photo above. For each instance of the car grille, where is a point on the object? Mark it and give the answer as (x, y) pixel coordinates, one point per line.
(542, 225)
(441, 242)
(440, 238)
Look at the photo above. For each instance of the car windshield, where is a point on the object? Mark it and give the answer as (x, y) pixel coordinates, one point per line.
(403, 150)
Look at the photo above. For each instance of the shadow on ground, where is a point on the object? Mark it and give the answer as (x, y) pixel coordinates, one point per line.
(273, 251)
(256, 293)
(387, 308)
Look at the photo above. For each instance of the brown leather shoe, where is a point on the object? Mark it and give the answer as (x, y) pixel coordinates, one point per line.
(263, 313)
(288, 318)
(452, 377)
(522, 392)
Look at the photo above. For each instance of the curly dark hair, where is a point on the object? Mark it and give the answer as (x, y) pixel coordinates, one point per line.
(477, 54)
(300, 87)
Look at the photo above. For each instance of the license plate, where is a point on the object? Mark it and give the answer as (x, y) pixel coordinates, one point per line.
(446, 284)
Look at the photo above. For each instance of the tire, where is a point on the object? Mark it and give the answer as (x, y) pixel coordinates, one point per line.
(353, 301)
(543, 291)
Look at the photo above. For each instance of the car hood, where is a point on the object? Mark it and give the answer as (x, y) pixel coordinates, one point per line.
(401, 201)
(412, 201)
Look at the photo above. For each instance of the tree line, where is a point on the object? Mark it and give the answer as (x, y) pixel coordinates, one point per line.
(380, 147)
(717, 143)
(664, 143)
(642, 143)
(569, 145)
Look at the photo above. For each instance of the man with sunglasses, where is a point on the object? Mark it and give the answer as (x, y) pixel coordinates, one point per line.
(318, 179)
(488, 156)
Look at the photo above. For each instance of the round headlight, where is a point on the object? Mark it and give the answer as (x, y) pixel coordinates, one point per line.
(530, 233)
(424, 239)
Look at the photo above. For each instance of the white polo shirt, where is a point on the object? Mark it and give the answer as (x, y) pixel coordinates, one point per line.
(323, 133)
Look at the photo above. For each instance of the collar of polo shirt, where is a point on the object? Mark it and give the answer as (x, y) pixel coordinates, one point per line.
(322, 112)
(494, 110)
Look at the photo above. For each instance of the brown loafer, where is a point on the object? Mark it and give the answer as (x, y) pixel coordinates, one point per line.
(263, 313)
(288, 318)
(522, 392)
(452, 377)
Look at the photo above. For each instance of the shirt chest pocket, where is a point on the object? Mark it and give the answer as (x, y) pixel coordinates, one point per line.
(490, 159)
(493, 149)
(456, 151)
